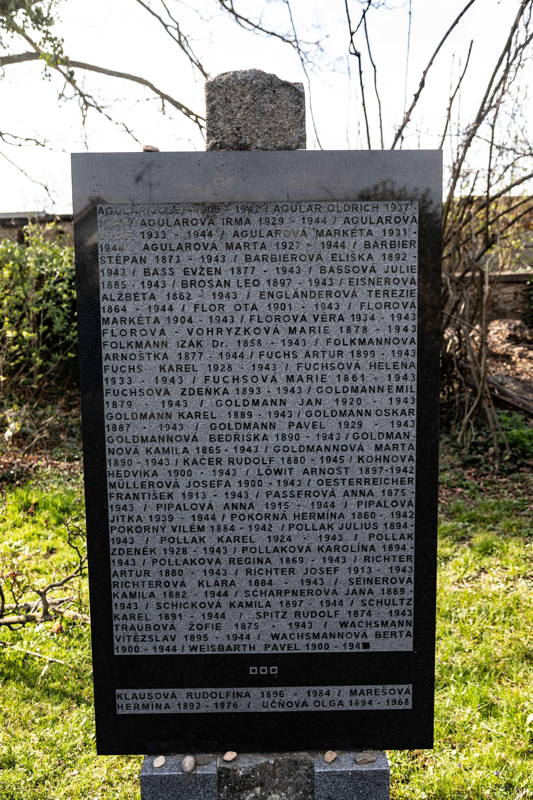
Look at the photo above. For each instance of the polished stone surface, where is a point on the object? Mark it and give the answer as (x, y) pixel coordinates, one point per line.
(294, 180)
(245, 253)
(256, 177)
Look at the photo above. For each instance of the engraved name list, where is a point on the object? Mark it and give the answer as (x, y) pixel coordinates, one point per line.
(259, 373)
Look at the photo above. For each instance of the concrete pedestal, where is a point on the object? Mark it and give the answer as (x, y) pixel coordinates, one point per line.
(283, 776)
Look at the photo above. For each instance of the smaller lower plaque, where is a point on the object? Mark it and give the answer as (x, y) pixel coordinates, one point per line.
(238, 700)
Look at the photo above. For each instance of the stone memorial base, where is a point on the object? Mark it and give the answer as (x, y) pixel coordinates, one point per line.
(283, 776)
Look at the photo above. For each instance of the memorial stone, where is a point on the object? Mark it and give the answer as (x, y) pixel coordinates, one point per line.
(259, 350)
(254, 110)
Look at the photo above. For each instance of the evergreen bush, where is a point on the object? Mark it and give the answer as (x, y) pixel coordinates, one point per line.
(37, 312)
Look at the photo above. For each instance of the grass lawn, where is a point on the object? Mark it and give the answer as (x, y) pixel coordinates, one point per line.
(47, 749)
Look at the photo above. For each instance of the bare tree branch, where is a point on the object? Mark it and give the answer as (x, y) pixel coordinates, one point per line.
(490, 91)
(15, 140)
(408, 53)
(64, 66)
(27, 175)
(493, 219)
(176, 34)
(477, 230)
(249, 24)
(376, 90)
(72, 63)
(463, 221)
(304, 68)
(454, 95)
(492, 240)
(355, 52)
(17, 58)
(36, 654)
(193, 116)
(408, 113)
(24, 612)
(59, 63)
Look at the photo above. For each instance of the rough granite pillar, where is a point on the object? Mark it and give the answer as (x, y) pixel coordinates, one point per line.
(254, 110)
(264, 776)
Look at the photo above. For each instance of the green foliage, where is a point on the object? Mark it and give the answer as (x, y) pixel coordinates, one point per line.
(513, 444)
(37, 311)
(34, 518)
(47, 740)
(482, 746)
(47, 430)
(518, 435)
(35, 18)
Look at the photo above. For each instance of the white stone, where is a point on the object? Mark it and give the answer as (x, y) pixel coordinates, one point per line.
(188, 764)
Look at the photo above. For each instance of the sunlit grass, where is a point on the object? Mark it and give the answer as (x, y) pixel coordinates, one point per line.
(47, 746)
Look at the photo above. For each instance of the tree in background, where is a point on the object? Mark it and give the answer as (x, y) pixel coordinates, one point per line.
(487, 156)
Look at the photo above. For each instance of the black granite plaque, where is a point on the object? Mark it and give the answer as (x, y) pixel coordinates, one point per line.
(259, 350)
